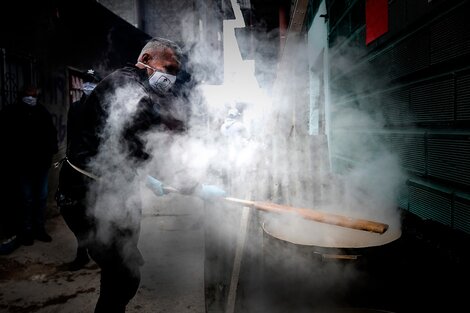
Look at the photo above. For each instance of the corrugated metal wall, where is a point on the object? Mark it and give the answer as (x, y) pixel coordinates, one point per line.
(422, 96)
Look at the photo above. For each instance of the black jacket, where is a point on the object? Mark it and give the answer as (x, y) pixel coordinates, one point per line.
(92, 116)
(28, 136)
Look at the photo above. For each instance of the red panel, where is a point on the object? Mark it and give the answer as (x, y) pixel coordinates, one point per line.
(376, 19)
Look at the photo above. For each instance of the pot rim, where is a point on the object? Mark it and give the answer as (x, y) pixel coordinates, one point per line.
(374, 239)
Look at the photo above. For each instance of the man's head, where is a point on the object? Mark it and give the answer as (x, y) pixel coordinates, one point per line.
(30, 91)
(29, 95)
(91, 76)
(233, 113)
(90, 80)
(161, 54)
(162, 60)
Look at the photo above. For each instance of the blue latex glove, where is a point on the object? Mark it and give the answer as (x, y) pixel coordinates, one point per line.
(207, 192)
(155, 185)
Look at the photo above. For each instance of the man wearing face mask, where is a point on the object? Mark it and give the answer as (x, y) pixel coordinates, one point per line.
(74, 212)
(90, 79)
(30, 138)
(106, 153)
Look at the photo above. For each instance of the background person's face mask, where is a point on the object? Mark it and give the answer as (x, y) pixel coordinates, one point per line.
(88, 87)
(160, 82)
(29, 100)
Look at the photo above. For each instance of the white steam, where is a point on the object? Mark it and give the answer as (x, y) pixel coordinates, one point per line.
(116, 201)
(278, 160)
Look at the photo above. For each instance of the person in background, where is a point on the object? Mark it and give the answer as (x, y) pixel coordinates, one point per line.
(29, 141)
(90, 79)
(72, 211)
(10, 208)
(236, 140)
(233, 126)
(106, 154)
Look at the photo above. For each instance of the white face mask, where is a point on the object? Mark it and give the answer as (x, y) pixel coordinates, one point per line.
(160, 82)
(29, 100)
(88, 87)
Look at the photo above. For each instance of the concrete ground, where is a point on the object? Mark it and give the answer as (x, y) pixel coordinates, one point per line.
(34, 278)
(190, 268)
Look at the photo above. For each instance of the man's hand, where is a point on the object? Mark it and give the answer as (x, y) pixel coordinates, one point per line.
(155, 185)
(208, 192)
(205, 192)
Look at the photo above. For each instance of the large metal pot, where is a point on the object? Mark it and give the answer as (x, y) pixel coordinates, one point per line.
(327, 241)
(313, 264)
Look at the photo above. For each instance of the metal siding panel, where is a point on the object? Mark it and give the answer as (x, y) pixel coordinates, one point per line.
(357, 43)
(403, 203)
(358, 17)
(344, 28)
(410, 55)
(466, 27)
(383, 62)
(359, 146)
(410, 149)
(336, 10)
(397, 16)
(462, 216)
(396, 107)
(430, 205)
(340, 165)
(463, 97)
(403, 197)
(416, 9)
(341, 144)
(447, 37)
(433, 102)
(354, 43)
(449, 159)
(347, 85)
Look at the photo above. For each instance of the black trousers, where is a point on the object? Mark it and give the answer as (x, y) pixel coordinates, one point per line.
(120, 261)
(118, 285)
(71, 201)
(117, 255)
(75, 216)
